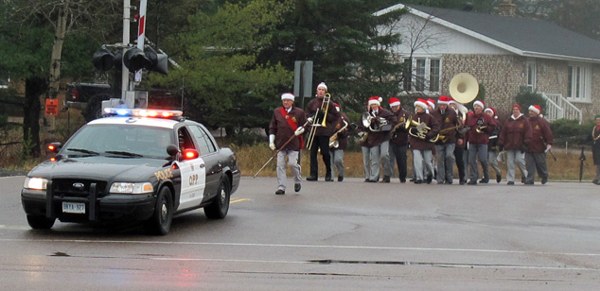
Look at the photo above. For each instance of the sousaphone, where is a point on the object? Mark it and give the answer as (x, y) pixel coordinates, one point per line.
(463, 88)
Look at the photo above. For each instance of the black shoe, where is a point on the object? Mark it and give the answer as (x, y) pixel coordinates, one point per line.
(340, 178)
(386, 179)
(402, 180)
(429, 178)
(528, 183)
(462, 182)
(498, 178)
(472, 182)
(297, 187)
(523, 180)
(449, 182)
(279, 192)
(418, 181)
(484, 181)
(311, 178)
(367, 180)
(544, 180)
(412, 179)
(373, 181)
(597, 182)
(328, 179)
(510, 183)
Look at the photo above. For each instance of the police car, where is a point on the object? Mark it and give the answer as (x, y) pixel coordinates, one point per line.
(134, 165)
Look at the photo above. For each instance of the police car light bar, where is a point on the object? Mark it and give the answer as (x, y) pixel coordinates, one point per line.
(138, 112)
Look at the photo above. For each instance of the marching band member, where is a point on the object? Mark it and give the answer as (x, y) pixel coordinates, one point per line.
(480, 126)
(493, 148)
(399, 139)
(339, 144)
(540, 143)
(460, 145)
(285, 125)
(444, 146)
(514, 136)
(375, 148)
(420, 141)
(316, 109)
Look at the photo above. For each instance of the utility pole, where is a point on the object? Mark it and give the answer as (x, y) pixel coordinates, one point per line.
(126, 36)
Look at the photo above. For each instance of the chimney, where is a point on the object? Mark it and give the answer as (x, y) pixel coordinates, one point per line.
(507, 8)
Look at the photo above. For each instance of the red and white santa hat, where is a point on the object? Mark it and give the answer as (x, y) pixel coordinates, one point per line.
(287, 96)
(431, 103)
(394, 101)
(492, 110)
(374, 100)
(337, 107)
(479, 103)
(444, 100)
(322, 85)
(535, 108)
(421, 103)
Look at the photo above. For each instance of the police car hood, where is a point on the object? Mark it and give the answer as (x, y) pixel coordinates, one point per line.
(100, 168)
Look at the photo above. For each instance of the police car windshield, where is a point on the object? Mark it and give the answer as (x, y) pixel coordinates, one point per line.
(119, 140)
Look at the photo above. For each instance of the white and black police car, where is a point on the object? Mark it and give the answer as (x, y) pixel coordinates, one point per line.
(133, 165)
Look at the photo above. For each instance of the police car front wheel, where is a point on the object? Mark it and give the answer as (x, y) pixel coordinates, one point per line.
(160, 222)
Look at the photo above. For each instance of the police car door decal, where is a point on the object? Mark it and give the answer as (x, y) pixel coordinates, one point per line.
(193, 174)
(193, 181)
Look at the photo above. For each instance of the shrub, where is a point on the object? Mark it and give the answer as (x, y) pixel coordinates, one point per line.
(527, 98)
(570, 131)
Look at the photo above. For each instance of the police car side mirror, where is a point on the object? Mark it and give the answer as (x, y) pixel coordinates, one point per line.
(172, 150)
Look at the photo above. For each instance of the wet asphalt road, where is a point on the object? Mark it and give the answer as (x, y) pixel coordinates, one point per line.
(330, 236)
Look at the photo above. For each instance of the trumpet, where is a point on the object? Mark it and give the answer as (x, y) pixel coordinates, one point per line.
(316, 122)
(333, 140)
(480, 128)
(380, 125)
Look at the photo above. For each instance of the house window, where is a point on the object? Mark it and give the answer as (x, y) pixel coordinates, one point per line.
(531, 75)
(579, 86)
(424, 75)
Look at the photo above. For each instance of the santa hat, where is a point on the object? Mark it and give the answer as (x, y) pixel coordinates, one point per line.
(479, 103)
(452, 101)
(375, 100)
(337, 107)
(492, 110)
(421, 103)
(535, 108)
(287, 96)
(322, 85)
(431, 103)
(516, 105)
(394, 101)
(444, 100)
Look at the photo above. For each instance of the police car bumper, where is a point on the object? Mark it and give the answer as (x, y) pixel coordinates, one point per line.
(109, 208)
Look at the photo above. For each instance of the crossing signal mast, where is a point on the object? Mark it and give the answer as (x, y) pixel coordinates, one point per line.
(129, 58)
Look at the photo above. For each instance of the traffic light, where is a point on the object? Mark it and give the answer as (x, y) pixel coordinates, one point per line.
(135, 59)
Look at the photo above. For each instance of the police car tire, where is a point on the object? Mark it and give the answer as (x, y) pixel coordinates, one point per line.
(40, 222)
(160, 222)
(220, 205)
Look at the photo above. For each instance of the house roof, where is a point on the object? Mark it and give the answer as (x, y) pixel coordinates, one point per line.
(522, 36)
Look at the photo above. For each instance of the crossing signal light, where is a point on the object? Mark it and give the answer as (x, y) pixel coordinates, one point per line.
(104, 60)
(135, 59)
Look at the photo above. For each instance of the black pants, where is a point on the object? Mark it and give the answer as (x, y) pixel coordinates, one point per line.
(320, 142)
(398, 152)
(460, 161)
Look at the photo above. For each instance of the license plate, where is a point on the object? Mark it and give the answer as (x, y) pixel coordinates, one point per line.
(73, 207)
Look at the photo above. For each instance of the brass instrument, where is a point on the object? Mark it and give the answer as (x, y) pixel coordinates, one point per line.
(333, 140)
(318, 123)
(419, 130)
(595, 135)
(380, 125)
(480, 128)
(463, 88)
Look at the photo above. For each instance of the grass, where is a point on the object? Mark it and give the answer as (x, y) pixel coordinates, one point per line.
(251, 158)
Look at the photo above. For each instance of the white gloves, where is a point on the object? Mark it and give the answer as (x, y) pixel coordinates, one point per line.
(548, 148)
(299, 131)
(272, 142)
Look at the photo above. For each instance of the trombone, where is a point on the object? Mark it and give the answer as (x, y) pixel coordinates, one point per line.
(316, 122)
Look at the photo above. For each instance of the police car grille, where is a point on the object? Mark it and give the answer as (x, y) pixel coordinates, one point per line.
(77, 187)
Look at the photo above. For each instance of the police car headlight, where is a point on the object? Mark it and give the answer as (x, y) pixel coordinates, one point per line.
(131, 188)
(35, 183)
